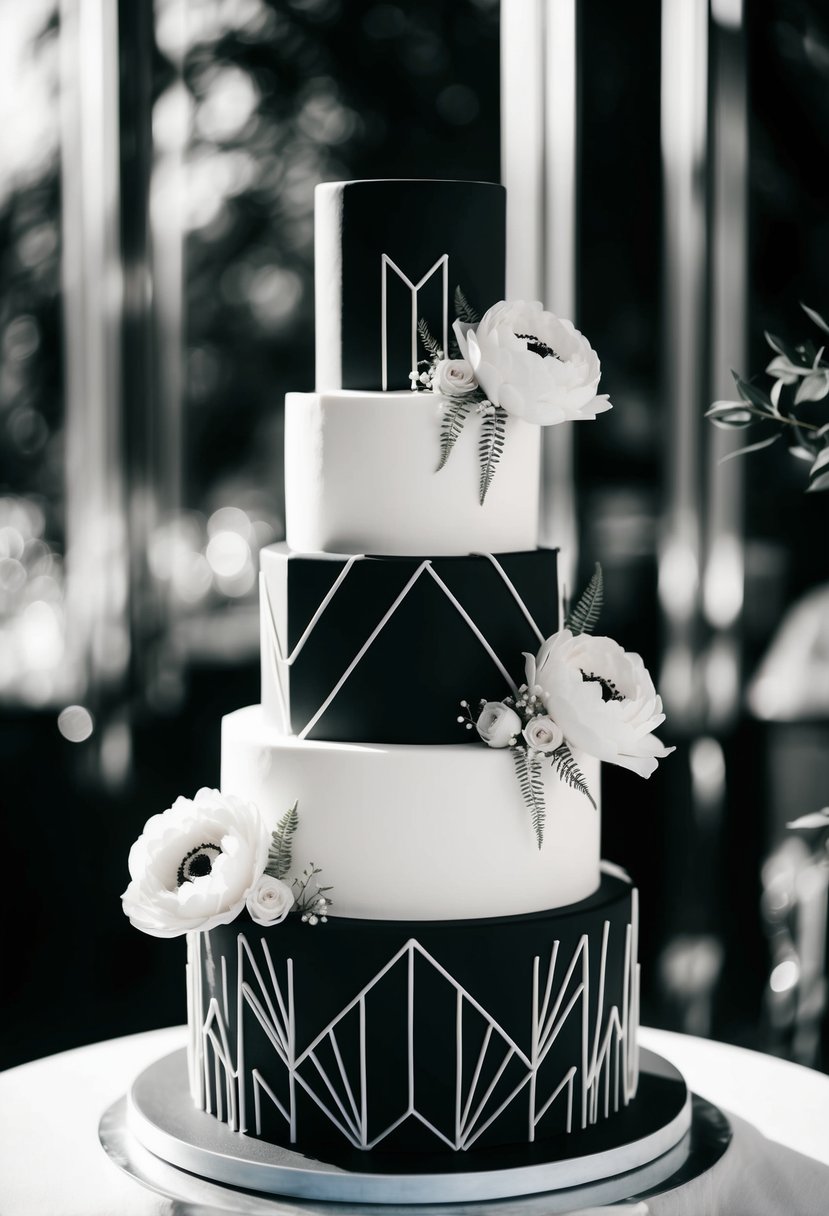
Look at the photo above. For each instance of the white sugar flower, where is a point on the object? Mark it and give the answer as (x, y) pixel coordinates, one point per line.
(533, 364)
(542, 734)
(498, 724)
(194, 866)
(601, 697)
(453, 377)
(270, 901)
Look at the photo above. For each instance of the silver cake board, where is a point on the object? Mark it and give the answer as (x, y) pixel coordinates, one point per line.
(158, 1136)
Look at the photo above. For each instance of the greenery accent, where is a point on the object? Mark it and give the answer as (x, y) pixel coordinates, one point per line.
(312, 903)
(279, 853)
(459, 406)
(814, 317)
(819, 472)
(800, 367)
(432, 346)
(454, 417)
(584, 617)
(491, 445)
(528, 768)
(464, 310)
(565, 765)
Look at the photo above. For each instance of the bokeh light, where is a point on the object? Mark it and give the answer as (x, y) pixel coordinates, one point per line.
(227, 104)
(28, 69)
(34, 666)
(75, 723)
(784, 976)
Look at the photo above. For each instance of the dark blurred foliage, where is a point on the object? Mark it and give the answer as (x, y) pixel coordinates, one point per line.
(31, 375)
(789, 257)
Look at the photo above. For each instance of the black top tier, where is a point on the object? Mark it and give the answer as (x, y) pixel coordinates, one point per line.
(389, 253)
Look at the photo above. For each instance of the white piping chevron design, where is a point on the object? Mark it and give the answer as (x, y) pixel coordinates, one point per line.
(279, 662)
(414, 288)
(458, 606)
(514, 593)
(376, 631)
(273, 632)
(604, 1077)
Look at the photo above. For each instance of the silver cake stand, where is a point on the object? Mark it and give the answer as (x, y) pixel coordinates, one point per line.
(155, 1135)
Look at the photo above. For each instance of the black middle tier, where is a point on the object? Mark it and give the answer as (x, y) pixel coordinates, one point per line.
(383, 649)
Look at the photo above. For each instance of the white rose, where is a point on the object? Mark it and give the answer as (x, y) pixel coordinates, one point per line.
(535, 365)
(542, 734)
(602, 698)
(270, 901)
(453, 377)
(498, 723)
(194, 866)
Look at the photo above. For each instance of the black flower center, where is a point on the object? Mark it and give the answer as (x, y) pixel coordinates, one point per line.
(198, 862)
(537, 347)
(609, 690)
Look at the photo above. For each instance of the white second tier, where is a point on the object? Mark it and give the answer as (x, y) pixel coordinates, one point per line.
(360, 477)
(410, 832)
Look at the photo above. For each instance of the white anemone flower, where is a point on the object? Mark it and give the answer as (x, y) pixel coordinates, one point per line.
(194, 866)
(601, 697)
(533, 364)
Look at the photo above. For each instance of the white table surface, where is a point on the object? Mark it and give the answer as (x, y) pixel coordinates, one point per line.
(51, 1163)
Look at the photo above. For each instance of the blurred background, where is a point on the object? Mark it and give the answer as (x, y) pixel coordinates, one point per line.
(666, 167)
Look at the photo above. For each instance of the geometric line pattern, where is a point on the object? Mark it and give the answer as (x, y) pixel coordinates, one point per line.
(414, 288)
(510, 585)
(280, 662)
(603, 1077)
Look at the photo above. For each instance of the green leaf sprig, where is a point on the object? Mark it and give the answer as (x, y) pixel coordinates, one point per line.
(460, 406)
(585, 616)
(528, 705)
(279, 852)
(800, 367)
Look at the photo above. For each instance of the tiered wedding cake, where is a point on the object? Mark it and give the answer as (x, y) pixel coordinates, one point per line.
(466, 978)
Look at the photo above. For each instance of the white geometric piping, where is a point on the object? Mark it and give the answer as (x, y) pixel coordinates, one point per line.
(414, 288)
(514, 593)
(614, 870)
(463, 613)
(195, 1020)
(605, 1075)
(276, 653)
(276, 647)
(365, 646)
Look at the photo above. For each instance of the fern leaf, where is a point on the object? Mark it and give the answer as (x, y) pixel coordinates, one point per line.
(464, 310)
(585, 615)
(279, 853)
(569, 772)
(431, 344)
(528, 770)
(454, 417)
(491, 447)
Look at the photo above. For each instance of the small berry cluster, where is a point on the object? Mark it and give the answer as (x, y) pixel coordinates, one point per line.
(424, 378)
(313, 905)
(318, 913)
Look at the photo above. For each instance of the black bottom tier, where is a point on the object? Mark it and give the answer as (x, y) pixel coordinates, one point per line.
(426, 1037)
